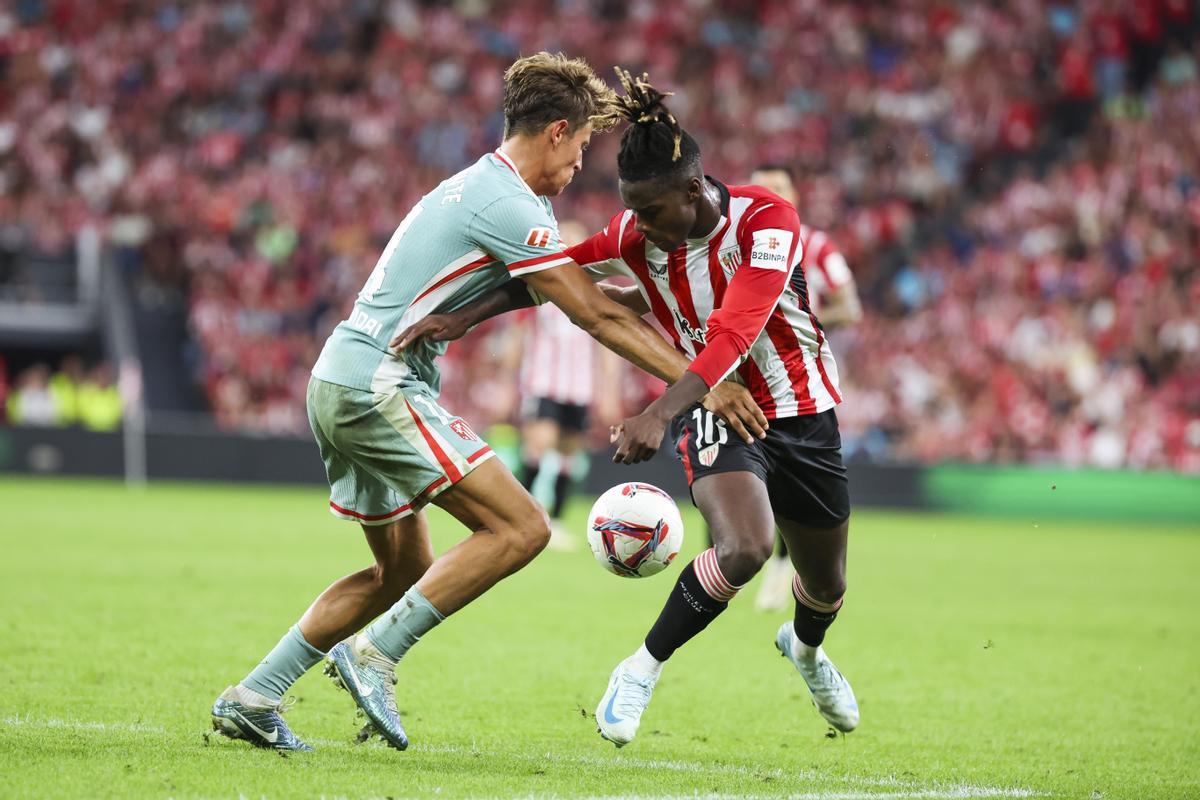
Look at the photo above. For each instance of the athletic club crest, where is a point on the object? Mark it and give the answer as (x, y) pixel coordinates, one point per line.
(731, 259)
(463, 430)
(708, 455)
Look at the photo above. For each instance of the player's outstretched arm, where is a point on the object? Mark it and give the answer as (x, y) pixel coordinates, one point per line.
(628, 296)
(607, 316)
(614, 325)
(454, 325)
(621, 329)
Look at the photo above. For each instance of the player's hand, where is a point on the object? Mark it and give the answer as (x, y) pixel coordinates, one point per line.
(733, 403)
(435, 328)
(638, 438)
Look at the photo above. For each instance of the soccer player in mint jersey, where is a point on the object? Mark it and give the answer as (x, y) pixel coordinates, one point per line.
(719, 267)
(390, 448)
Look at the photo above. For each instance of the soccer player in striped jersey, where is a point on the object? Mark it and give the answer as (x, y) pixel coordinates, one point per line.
(833, 295)
(719, 267)
(390, 448)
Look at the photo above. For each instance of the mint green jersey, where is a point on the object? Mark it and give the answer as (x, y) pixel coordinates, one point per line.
(468, 236)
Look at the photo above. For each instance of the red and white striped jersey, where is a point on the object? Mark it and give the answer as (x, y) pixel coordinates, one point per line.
(825, 268)
(559, 361)
(732, 300)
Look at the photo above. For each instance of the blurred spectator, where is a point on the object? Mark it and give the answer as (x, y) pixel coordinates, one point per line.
(99, 400)
(1014, 183)
(74, 395)
(31, 402)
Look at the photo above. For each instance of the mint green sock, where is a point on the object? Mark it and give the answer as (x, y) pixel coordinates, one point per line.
(283, 666)
(403, 625)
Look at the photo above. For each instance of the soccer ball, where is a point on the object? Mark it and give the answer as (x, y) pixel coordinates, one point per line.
(635, 530)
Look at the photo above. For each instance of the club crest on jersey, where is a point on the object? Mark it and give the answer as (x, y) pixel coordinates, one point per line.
(463, 430)
(770, 249)
(541, 237)
(731, 259)
(708, 455)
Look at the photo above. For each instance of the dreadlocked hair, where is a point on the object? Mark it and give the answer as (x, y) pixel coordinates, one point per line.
(654, 144)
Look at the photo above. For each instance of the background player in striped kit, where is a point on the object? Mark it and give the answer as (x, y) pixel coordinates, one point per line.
(833, 295)
(718, 267)
(559, 370)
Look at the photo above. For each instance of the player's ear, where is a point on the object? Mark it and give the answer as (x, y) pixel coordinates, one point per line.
(695, 189)
(558, 131)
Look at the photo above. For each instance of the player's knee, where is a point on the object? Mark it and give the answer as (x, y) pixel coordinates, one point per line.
(828, 589)
(741, 560)
(528, 536)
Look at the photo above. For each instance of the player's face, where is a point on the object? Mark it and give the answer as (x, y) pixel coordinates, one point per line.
(565, 156)
(777, 181)
(665, 209)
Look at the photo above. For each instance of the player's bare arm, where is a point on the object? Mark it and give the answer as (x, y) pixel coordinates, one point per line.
(730, 401)
(628, 296)
(842, 307)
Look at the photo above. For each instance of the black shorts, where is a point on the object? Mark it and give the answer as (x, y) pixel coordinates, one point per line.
(569, 416)
(800, 461)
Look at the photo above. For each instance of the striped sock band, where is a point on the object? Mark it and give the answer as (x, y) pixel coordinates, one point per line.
(816, 605)
(708, 572)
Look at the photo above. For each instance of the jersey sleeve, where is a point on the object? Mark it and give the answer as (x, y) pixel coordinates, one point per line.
(519, 232)
(829, 262)
(771, 249)
(600, 254)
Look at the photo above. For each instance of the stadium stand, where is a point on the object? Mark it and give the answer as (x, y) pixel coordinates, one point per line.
(1021, 210)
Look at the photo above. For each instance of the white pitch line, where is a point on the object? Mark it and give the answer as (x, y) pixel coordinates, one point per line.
(81, 725)
(900, 789)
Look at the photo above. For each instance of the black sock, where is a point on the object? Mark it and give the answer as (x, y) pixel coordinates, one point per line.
(529, 473)
(810, 625)
(562, 490)
(688, 611)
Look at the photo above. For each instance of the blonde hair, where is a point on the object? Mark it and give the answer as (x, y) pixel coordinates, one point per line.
(545, 87)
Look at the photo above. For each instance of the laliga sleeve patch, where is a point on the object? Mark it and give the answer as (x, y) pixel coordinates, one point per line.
(770, 249)
(542, 237)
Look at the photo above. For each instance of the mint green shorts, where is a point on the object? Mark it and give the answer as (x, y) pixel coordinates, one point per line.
(388, 454)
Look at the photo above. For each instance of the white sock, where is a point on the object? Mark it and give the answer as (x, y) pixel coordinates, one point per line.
(252, 699)
(804, 652)
(643, 663)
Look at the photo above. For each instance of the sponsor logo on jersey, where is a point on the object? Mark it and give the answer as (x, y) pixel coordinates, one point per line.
(657, 270)
(460, 427)
(541, 237)
(685, 328)
(770, 249)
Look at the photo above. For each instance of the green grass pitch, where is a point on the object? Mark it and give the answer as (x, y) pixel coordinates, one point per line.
(992, 658)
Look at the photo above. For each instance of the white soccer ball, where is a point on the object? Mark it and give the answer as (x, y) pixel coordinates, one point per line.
(635, 530)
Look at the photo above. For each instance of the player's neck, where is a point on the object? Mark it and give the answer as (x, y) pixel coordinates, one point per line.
(708, 214)
(526, 156)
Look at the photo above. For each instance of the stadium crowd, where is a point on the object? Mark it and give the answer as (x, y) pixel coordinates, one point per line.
(1013, 184)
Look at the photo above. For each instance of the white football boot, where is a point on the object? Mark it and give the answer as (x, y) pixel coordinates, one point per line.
(621, 707)
(831, 693)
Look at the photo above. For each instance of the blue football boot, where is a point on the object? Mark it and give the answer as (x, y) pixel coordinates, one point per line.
(357, 666)
(262, 726)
